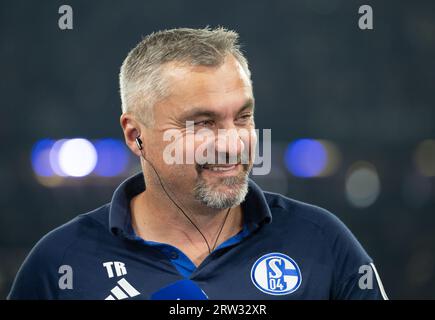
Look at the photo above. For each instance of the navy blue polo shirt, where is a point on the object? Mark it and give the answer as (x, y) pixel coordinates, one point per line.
(287, 250)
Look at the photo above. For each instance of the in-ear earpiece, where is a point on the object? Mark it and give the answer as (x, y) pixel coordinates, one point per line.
(139, 143)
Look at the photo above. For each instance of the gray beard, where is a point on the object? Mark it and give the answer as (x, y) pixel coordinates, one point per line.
(207, 195)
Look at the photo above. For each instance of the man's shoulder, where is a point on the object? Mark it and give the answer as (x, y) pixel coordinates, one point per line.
(286, 208)
(84, 227)
(37, 276)
(322, 225)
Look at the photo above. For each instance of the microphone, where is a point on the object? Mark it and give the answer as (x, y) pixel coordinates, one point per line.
(181, 290)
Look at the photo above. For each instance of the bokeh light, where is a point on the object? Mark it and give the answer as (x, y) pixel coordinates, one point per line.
(112, 156)
(53, 161)
(307, 158)
(40, 158)
(362, 185)
(77, 157)
(54, 158)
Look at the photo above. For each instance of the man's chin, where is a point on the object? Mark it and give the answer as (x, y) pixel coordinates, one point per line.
(226, 192)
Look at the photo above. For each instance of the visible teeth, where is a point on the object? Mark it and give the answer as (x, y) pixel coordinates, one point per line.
(221, 168)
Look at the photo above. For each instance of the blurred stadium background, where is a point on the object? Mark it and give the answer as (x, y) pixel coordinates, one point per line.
(352, 116)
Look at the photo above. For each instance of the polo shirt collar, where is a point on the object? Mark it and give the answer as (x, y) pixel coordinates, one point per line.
(255, 207)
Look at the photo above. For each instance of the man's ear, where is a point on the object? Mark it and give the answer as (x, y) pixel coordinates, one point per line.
(131, 128)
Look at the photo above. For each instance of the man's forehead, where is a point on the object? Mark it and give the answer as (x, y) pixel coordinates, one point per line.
(218, 88)
(182, 77)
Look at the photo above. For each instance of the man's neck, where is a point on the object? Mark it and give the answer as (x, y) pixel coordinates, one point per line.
(156, 218)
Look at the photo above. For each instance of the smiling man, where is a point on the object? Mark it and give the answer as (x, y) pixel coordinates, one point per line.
(195, 229)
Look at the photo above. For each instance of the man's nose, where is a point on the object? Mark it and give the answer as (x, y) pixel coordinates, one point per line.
(229, 142)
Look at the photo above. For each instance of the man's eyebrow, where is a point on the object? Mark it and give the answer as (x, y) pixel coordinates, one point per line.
(250, 104)
(198, 112)
(203, 112)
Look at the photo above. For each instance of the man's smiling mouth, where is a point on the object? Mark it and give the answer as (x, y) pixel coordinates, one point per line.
(220, 168)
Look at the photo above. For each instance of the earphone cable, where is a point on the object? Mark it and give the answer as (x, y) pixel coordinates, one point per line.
(188, 218)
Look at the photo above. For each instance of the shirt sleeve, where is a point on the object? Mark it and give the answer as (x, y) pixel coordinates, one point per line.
(365, 285)
(355, 276)
(36, 278)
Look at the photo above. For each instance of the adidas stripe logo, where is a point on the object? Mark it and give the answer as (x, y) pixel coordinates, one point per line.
(122, 291)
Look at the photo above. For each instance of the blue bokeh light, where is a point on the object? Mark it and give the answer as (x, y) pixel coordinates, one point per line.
(40, 157)
(306, 158)
(113, 157)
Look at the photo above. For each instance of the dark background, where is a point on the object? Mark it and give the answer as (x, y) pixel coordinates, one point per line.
(315, 74)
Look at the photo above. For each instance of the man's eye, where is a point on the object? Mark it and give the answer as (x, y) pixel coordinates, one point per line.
(204, 123)
(245, 117)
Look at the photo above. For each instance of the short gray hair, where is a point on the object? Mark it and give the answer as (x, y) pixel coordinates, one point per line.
(140, 80)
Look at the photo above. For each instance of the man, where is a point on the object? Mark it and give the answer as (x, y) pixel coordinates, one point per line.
(195, 229)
